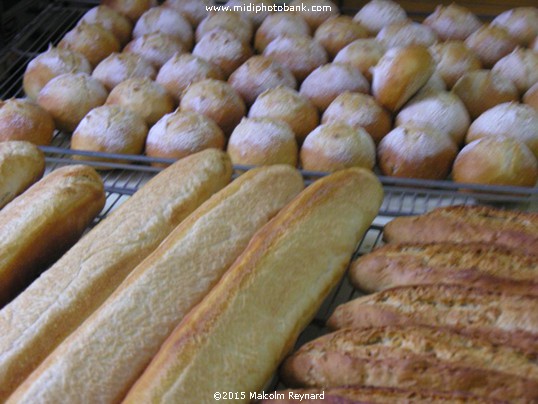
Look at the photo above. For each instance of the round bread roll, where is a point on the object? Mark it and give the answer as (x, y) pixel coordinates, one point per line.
(132, 9)
(521, 23)
(411, 152)
(481, 90)
(377, 14)
(110, 129)
(119, 67)
(224, 49)
(531, 97)
(182, 133)
(231, 21)
(166, 21)
(315, 12)
(69, 97)
(144, 97)
(335, 146)
(258, 74)
(363, 54)
(337, 32)
(217, 100)
(156, 48)
(287, 105)
(510, 119)
(454, 59)
(490, 43)
(299, 53)
(435, 84)
(110, 20)
(91, 40)
(262, 141)
(452, 22)
(255, 10)
(52, 63)
(279, 24)
(327, 82)
(405, 33)
(194, 10)
(442, 111)
(359, 111)
(520, 66)
(22, 119)
(400, 73)
(184, 69)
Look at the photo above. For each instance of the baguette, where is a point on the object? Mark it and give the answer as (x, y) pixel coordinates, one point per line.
(21, 164)
(64, 296)
(102, 359)
(39, 226)
(235, 338)
(465, 224)
(476, 264)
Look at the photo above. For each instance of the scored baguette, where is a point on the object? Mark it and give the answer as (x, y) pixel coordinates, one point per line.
(476, 264)
(67, 293)
(465, 224)
(21, 164)
(40, 225)
(235, 338)
(102, 359)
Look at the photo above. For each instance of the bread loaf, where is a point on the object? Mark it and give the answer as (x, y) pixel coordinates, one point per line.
(234, 339)
(90, 365)
(464, 224)
(21, 164)
(65, 295)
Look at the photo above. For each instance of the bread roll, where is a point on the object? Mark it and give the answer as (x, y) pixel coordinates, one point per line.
(290, 266)
(47, 65)
(490, 43)
(21, 164)
(263, 141)
(22, 119)
(44, 222)
(364, 54)
(337, 32)
(520, 22)
(315, 12)
(399, 75)
(166, 21)
(405, 33)
(181, 134)
(286, 104)
(335, 146)
(377, 14)
(230, 21)
(194, 10)
(119, 67)
(64, 296)
(156, 48)
(110, 20)
(255, 10)
(520, 66)
(359, 111)
(132, 9)
(481, 90)
(279, 24)
(531, 97)
(453, 22)
(453, 60)
(101, 370)
(69, 97)
(435, 84)
(327, 82)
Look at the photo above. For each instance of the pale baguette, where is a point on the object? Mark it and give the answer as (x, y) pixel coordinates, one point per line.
(21, 164)
(235, 338)
(65, 295)
(102, 359)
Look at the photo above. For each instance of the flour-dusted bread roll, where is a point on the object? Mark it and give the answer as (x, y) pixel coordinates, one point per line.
(338, 32)
(491, 43)
(315, 12)
(21, 164)
(111, 20)
(520, 22)
(377, 14)
(406, 33)
(279, 24)
(336, 146)
(62, 298)
(531, 97)
(167, 21)
(400, 73)
(156, 48)
(255, 10)
(119, 67)
(194, 10)
(453, 22)
(169, 282)
(69, 97)
(52, 63)
(22, 119)
(230, 21)
(132, 9)
(287, 105)
(364, 54)
(453, 59)
(521, 67)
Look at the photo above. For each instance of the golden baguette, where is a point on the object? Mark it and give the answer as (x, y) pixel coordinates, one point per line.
(21, 164)
(39, 226)
(65, 295)
(235, 338)
(102, 359)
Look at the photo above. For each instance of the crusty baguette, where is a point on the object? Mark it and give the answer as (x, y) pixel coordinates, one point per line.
(39, 226)
(479, 264)
(21, 164)
(65, 295)
(465, 224)
(102, 359)
(235, 338)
